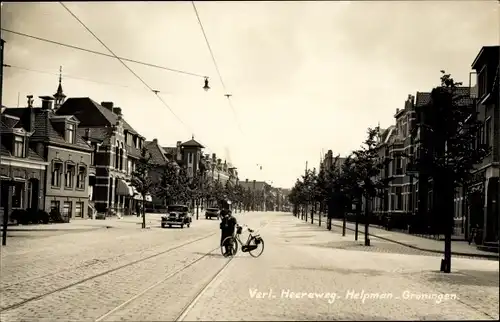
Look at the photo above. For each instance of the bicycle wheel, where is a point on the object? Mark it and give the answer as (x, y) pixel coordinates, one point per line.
(230, 240)
(259, 243)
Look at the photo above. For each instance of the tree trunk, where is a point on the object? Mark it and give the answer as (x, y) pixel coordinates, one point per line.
(367, 220)
(312, 213)
(358, 210)
(197, 208)
(143, 211)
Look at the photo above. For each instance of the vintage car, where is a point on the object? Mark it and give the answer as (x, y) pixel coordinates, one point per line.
(212, 212)
(176, 215)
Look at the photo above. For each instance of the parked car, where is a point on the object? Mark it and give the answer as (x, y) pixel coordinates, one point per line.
(212, 212)
(177, 215)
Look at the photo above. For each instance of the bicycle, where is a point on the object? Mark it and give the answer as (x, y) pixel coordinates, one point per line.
(253, 242)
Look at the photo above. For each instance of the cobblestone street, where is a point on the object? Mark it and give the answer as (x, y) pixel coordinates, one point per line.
(129, 274)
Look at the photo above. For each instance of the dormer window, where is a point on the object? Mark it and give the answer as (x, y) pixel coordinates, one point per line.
(70, 133)
(18, 146)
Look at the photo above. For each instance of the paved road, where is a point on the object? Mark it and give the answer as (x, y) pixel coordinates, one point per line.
(299, 258)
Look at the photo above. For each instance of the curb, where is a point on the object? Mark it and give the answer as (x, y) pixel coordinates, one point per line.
(487, 256)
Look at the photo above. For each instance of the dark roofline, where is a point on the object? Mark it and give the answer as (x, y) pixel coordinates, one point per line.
(481, 52)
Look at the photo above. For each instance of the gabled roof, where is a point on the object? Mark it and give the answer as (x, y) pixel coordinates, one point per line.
(9, 121)
(84, 105)
(44, 130)
(158, 156)
(422, 99)
(192, 144)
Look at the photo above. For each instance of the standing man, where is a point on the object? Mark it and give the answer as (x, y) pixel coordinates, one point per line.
(227, 226)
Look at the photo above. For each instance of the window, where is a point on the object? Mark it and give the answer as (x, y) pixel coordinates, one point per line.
(80, 179)
(129, 166)
(70, 133)
(190, 157)
(117, 156)
(92, 155)
(399, 198)
(69, 175)
(19, 146)
(56, 174)
(54, 205)
(67, 213)
(79, 209)
(482, 82)
(487, 132)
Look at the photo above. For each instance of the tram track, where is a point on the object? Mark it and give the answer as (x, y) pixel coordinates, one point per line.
(94, 276)
(192, 301)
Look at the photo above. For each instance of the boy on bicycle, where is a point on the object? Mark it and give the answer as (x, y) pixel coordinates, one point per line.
(227, 226)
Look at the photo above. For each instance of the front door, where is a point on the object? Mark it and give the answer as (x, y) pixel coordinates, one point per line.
(33, 190)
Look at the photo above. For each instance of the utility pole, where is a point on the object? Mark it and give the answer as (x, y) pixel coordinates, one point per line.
(7, 210)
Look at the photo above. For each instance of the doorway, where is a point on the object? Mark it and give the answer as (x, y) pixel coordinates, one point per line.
(33, 191)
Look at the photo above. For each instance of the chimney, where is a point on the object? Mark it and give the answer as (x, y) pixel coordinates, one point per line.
(214, 157)
(155, 141)
(178, 143)
(31, 114)
(47, 102)
(219, 161)
(246, 180)
(117, 110)
(108, 105)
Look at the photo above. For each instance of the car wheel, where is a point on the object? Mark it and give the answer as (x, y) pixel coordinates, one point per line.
(169, 226)
(188, 225)
(162, 225)
(206, 217)
(182, 225)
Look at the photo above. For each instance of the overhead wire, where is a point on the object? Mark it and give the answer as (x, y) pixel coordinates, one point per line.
(123, 63)
(215, 64)
(115, 56)
(73, 77)
(100, 53)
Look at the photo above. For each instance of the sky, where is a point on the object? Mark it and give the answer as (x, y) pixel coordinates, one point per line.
(305, 77)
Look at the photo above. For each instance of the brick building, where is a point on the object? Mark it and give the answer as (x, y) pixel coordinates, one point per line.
(116, 148)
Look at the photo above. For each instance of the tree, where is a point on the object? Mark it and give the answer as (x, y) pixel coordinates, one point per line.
(450, 152)
(182, 186)
(368, 167)
(141, 179)
(166, 188)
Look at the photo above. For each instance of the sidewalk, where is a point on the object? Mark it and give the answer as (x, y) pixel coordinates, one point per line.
(459, 248)
(89, 224)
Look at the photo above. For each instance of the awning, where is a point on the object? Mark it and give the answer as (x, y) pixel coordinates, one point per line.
(123, 189)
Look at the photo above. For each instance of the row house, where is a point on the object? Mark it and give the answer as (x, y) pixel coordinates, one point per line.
(411, 192)
(53, 137)
(485, 189)
(20, 167)
(381, 204)
(116, 150)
